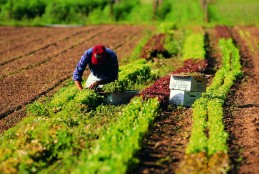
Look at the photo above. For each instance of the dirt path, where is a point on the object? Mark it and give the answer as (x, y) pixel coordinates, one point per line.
(164, 146)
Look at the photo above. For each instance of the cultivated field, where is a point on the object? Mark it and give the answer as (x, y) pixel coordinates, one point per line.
(36, 61)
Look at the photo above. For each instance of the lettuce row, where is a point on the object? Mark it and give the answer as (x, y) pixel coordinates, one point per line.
(194, 47)
(114, 151)
(137, 72)
(210, 105)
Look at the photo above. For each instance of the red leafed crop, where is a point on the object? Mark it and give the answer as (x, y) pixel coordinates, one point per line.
(154, 46)
(222, 31)
(160, 88)
(192, 65)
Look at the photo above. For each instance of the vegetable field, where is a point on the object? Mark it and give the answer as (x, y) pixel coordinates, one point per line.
(47, 125)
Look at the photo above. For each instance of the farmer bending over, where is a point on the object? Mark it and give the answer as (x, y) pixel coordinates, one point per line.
(103, 64)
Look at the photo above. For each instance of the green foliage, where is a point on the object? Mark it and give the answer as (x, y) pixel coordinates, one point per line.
(194, 47)
(163, 10)
(99, 16)
(3, 1)
(35, 145)
(62, 97)
(28, 9)
(37, 142)
(228, 73)
(185, 12)
(198, 139)
(174, 37)
(242, 12)
(141, 13)
(122, 9)
(247, 37)
(174, 42)
(130, 75)
(230, 54)
(114, 151)
(210, 105)
(22, 9)
(38, 109)
(217, 141)
(217, 80)
(59, 12)
(51, 12)
(222, 91)
(166, 27)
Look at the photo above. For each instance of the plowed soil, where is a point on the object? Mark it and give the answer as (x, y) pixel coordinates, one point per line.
(36, 62)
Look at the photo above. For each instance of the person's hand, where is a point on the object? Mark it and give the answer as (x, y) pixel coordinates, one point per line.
(79, 85)
(94, 85)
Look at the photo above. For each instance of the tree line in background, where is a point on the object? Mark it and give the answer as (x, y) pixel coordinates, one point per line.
(40, 12)
(87, 11)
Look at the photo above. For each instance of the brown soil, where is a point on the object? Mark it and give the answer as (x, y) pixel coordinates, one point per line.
(164, 145)
(29, 43)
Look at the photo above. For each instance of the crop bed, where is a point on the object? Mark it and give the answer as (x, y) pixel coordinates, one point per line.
(36, 62)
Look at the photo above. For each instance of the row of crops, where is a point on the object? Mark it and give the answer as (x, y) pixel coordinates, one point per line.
(75, 132)
(207, 150)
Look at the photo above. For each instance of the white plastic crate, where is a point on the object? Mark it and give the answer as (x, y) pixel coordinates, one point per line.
(188, 83)
(185, 98)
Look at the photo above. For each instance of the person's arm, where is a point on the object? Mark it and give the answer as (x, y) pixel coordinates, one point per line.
(78, 72)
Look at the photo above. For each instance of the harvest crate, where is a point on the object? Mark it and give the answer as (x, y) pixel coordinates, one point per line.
(181, 97)
(188, 82)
